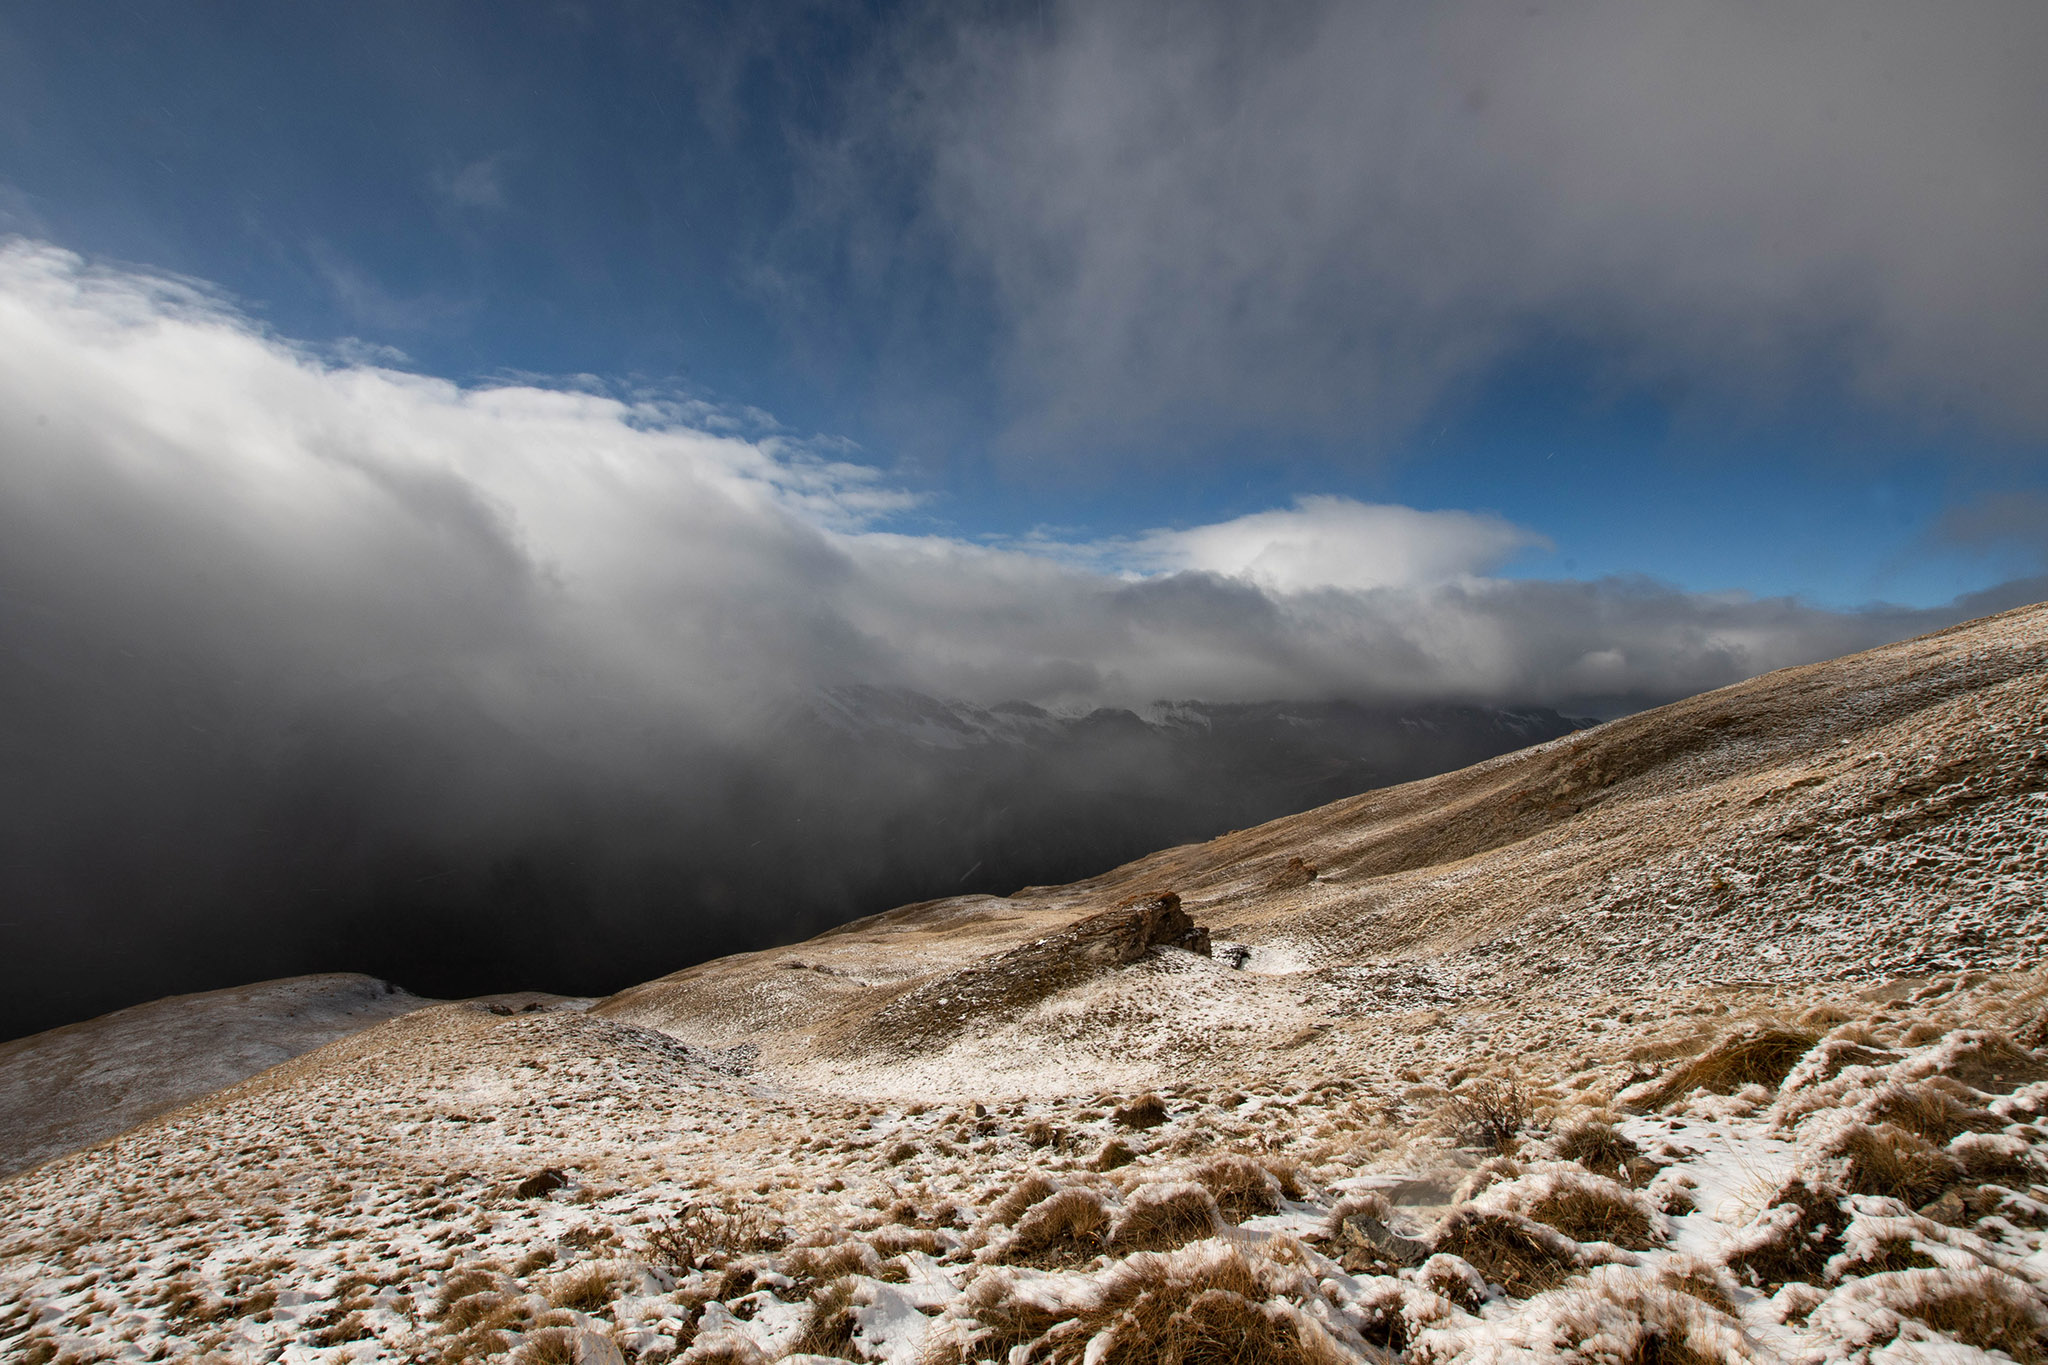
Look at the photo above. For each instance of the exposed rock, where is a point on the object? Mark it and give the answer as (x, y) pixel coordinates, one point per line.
(1364, 1230)
(541, 1183)
(1008, 983)
(1138, 925)
(1296, 873)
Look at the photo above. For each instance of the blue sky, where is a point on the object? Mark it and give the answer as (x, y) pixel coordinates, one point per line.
(1740, 303)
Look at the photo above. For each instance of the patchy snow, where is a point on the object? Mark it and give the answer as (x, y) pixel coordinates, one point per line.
(711, 1158)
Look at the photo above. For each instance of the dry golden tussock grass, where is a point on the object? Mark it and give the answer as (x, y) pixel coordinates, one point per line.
(1243, 1188)
(1889, 1161)
(1161, 1217)
(1928, 1111)
(1763, 1055)
(1160, 1310)
(1983, 1308)
(1595, 1145)
(1519, 1255)
(1067, 1228)
(586, 1289)
(828, 1321)
(1592, 1209)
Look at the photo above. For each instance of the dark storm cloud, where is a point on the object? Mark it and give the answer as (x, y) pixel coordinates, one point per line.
(1303, 214)
(312, 665)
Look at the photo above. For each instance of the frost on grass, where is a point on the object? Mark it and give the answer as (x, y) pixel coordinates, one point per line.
(1583, 1206)
(1137, 1153)
(1205, 1302)
(1610, 1315)
(1880, 1203)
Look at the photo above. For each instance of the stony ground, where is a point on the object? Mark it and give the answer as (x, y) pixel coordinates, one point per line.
(1707, 1035)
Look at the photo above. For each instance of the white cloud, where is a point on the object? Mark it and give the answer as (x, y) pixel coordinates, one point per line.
(1330, 542)
(182, 491)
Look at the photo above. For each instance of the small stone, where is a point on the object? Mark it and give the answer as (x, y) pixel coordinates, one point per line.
(541, 1183)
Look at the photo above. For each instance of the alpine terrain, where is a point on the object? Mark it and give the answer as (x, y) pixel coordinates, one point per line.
(1705, 1035)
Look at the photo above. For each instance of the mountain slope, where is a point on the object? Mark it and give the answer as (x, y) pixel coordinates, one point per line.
(1708, 1035)
(75, 1085)
(1870, 817)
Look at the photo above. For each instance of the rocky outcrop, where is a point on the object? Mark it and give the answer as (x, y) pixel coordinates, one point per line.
(1008, 983)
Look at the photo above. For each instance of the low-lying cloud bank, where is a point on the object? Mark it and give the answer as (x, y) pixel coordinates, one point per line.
(299, 650)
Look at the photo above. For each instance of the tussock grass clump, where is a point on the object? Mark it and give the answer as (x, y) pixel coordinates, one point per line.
(1996, 1159)
(1146, 1111)
(1928, 1110)
(1583, 1206)
(1243, 1188)
(1115, 1154)
(1859, 1159)
(1790, 1241)
(1028, 1190)
(828, 1321)
(1163, 1216)
(1756, 1056)
(832, 1261)
(1596, 1146)
(1984, 1308)
(1520, 1255)
(1066, 1228)
(1210, 1305)
(586, 1289)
